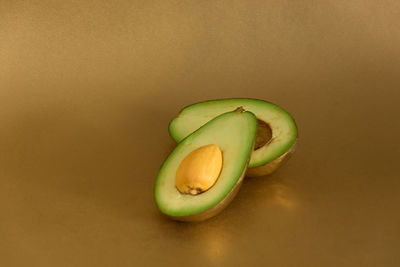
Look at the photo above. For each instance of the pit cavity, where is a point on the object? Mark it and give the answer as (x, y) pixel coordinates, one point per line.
(264, 134)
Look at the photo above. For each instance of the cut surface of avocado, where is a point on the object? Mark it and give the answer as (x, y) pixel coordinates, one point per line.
(234, 134)
(277, 130)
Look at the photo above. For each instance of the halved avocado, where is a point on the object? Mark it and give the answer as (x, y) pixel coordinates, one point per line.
(276, 134)
(234, 133)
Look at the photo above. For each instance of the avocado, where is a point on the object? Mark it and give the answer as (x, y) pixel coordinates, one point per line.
(276, 133)
(233, 134)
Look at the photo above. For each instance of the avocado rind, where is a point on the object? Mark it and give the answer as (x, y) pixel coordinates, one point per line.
(283, 126)
(235, 134)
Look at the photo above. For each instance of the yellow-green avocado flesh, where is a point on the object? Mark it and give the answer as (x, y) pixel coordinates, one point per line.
(234, 133)
(282, 125)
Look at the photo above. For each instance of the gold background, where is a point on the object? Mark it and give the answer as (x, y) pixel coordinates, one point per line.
(87, 89)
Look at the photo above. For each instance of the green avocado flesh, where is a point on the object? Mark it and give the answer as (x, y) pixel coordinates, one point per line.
(282, 125)
(234, 133)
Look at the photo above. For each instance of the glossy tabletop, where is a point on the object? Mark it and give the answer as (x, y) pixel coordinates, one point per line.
(87, 89)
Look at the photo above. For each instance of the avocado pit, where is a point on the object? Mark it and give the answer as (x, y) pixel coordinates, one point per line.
(199, 170)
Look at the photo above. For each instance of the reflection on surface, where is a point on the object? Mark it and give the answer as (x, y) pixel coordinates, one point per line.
(215, 245)
(268, 191)
(217, 236)
(283, 196)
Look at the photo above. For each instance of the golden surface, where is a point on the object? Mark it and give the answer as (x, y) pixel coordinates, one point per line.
(87, 89)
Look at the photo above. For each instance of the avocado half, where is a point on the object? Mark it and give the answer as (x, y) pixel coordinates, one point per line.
(234, 133)
(276, 133)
